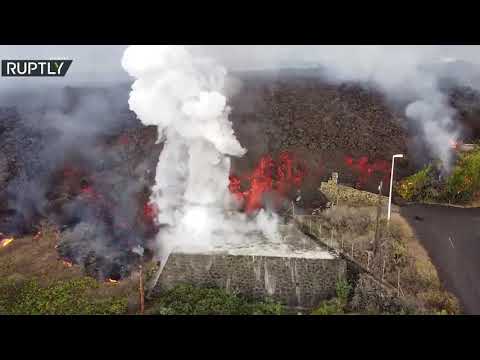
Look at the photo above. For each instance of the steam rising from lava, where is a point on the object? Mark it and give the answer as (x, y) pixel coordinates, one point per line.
(183, 96)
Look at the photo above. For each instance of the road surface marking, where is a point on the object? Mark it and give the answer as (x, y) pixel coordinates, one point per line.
(449, 238)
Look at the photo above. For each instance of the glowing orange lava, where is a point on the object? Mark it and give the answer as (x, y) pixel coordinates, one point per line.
(90, 193)
(453, 144)
(269, 176)
(67, 263)
(364, 169)
(149, 211)
(5, 242)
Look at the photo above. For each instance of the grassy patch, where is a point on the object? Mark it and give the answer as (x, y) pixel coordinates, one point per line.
(330, 307)
(399, 258)
(64, 297)
(439, 301)
(189, 300)
(337, 305)
(418, 276)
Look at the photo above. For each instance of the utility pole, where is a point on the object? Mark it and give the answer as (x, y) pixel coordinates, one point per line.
(142, 291)
(379, 212)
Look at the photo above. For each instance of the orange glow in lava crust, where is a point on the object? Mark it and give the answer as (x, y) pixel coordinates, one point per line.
(149, 211)
(364, 168)
(67, 263)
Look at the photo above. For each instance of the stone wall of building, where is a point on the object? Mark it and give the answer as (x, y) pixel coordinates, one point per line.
(344, 195)
(292, 281)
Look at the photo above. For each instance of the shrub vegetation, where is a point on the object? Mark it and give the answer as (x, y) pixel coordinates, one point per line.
(460, 186)
(337, 305)
(190, 300)
(414, 187)
(464, 181)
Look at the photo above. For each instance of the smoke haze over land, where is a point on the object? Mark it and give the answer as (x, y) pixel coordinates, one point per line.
(410, 75)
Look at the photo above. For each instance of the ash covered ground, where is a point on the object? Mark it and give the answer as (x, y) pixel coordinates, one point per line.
(89, 166)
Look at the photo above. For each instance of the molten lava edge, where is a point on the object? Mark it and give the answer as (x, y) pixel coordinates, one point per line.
(284, 178)
(273, 177)
(366, 169)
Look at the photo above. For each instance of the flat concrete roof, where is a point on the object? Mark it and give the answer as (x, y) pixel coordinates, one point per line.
(291, 243)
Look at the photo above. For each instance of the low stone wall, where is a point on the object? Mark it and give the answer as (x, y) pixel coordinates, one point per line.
(293, 281)
(344, 195)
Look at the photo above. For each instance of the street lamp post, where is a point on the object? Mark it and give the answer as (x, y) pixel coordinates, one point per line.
(391, 185)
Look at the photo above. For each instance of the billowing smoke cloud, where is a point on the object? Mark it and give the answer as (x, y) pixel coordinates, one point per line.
(183, 96)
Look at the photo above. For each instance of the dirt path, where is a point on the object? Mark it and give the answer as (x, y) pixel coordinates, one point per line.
(451, 235)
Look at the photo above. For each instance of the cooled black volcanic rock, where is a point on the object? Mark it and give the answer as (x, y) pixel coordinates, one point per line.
(80, 244)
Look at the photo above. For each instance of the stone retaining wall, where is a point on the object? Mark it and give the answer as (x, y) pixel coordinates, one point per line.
(344, 195)
(293, 281)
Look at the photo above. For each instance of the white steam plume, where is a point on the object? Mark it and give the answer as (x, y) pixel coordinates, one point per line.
(183, 96)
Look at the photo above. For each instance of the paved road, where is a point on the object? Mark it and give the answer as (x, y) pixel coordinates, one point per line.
(452, 238)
